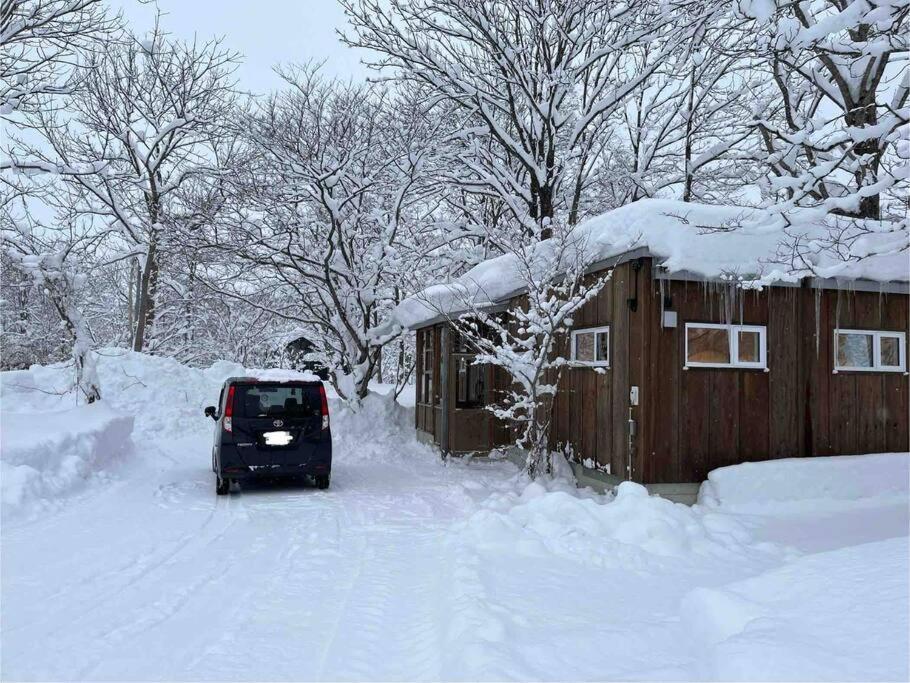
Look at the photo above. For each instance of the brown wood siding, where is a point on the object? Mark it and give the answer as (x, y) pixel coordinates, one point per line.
(691, 421)
(698, 419)
(590, 411)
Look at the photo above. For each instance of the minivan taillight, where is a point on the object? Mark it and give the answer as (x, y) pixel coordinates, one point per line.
(324, 410)
(228, 422)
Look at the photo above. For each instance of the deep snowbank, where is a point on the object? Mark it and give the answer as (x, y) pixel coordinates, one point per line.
(164, 395)
(51, 447)
(797, 480)
(835, 616)
(45, 456)
(603, 530)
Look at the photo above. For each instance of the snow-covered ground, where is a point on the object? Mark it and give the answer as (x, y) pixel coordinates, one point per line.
(120, 563)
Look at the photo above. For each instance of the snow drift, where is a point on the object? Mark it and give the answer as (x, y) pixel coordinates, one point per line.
(51, 447)
(795, 480)
(603, 530)
(835, 616)
(45, 456)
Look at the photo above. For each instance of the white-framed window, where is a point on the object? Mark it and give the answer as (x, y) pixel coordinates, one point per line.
(713, 345)
(591, 346)
(869, 351)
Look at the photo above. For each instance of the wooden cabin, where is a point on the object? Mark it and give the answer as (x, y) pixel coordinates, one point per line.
(675, 374)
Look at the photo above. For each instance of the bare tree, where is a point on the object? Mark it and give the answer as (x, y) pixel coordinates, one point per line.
(535, 83)
(40, 43)
(831, 132)
(689, 128)
(141, 125)
(337, 190)
(56, 262)
(842, 92)
(525, 340)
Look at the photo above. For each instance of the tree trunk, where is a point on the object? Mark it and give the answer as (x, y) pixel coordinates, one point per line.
(131, 300)
(689, 180)
(542, 208)
(86, 373)
(863, 116)
(147, 287)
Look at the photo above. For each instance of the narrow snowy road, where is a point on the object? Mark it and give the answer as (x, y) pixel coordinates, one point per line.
(156, 577)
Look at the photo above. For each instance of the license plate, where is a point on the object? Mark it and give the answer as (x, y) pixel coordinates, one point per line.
(277, 438)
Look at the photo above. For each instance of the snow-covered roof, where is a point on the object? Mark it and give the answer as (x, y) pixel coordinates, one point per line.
(714, 242)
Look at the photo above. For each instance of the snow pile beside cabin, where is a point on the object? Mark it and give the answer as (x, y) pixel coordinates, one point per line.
(722, 242)
(756, 485)
(605, 530)
(46, 456)
(832, 616)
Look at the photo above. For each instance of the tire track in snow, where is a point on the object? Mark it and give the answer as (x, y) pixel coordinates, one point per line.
(166, 607)
(117, 604)
(138, 569)
(309, 561)
(389, 615)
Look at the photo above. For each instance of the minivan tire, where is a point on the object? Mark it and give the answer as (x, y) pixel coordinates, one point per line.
(322, 481)
(222, 486)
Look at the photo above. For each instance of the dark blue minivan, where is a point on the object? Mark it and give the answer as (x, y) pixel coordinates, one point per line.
(271, 429)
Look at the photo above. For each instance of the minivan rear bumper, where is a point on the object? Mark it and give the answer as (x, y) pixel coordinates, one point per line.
(239, 473)
(316, 459)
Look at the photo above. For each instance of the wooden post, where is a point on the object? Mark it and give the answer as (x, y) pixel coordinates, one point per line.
(444, 389)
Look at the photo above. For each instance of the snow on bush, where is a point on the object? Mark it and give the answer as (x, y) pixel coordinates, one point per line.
(792, 480)
(839, 615)
(45, 456)
(603, 530)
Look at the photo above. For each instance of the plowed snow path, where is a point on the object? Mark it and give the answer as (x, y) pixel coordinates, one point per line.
(156, 577)
(400, 571)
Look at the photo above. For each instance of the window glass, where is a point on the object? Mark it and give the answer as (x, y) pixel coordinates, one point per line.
(469, 383)
(854, 350)
(460, 343)
(278, 401)
(708, 345)
(749, 346)
(603, 347)
(890, 352)
(584, 347)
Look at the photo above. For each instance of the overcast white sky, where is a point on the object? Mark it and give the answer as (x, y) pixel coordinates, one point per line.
(265, 32)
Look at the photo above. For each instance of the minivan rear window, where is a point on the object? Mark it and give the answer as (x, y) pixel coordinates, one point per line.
(277, 400)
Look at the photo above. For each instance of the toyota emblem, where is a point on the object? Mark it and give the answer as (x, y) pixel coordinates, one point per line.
(278, 423)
